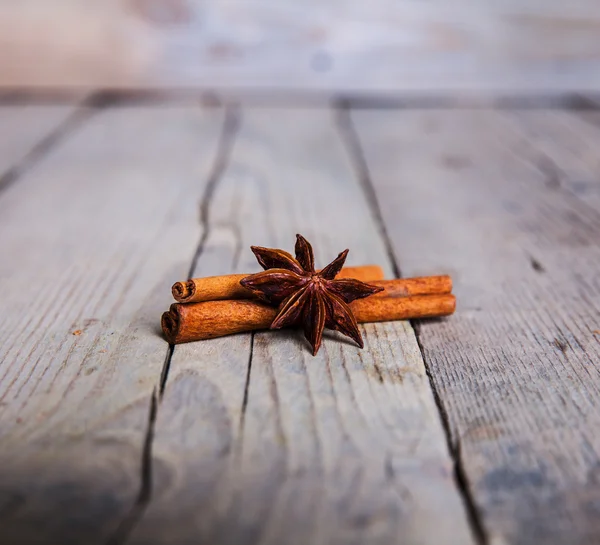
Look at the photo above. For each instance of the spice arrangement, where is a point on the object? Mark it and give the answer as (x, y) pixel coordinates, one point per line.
(290, 292)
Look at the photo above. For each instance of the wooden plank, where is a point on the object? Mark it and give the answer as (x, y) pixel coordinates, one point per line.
(24, 127)
(324, 47)
(346, 447)
(517, 367)
(564, 147)
(91, 240)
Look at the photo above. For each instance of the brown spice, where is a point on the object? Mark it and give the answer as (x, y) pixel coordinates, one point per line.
(198, 321)
(421, 285)
(214, 288)
(317, 300)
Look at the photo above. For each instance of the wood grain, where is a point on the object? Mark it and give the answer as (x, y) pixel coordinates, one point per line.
(259, 442)
(564, 147)
(516, 368)
(92, 239)
(22, 128)
(321, 47)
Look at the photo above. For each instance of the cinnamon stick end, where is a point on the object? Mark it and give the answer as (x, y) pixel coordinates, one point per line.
(450, 283)
(170, 325)
(183, 291)
(446, 306)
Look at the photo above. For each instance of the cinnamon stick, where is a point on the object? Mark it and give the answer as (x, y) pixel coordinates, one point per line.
(214, 288)
(421, 285)
(210, 319)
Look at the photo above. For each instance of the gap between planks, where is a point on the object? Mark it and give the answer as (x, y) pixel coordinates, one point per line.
(77, 149)
(231, 123)
(525, 261)
(267, 97)
(75, 119)
(352, 143)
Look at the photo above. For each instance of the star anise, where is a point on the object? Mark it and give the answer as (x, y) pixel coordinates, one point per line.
(305, 296)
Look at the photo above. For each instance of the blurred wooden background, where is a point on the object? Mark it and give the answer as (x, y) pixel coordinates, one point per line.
(379, 46)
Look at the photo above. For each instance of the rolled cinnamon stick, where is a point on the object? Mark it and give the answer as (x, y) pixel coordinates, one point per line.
(210, 319)
(422, 285)
(215, 288)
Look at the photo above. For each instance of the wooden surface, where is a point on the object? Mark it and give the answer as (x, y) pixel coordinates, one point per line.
(257, 441)
(26, 131)
(504, 202)
(383, 47)
(480, 429)
(91, 238)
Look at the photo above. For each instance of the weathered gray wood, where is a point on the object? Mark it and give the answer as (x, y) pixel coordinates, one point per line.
(517, 367)
(564, 146)
(22, 127)
(91, 240)
(384, 46)
(346, 447)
